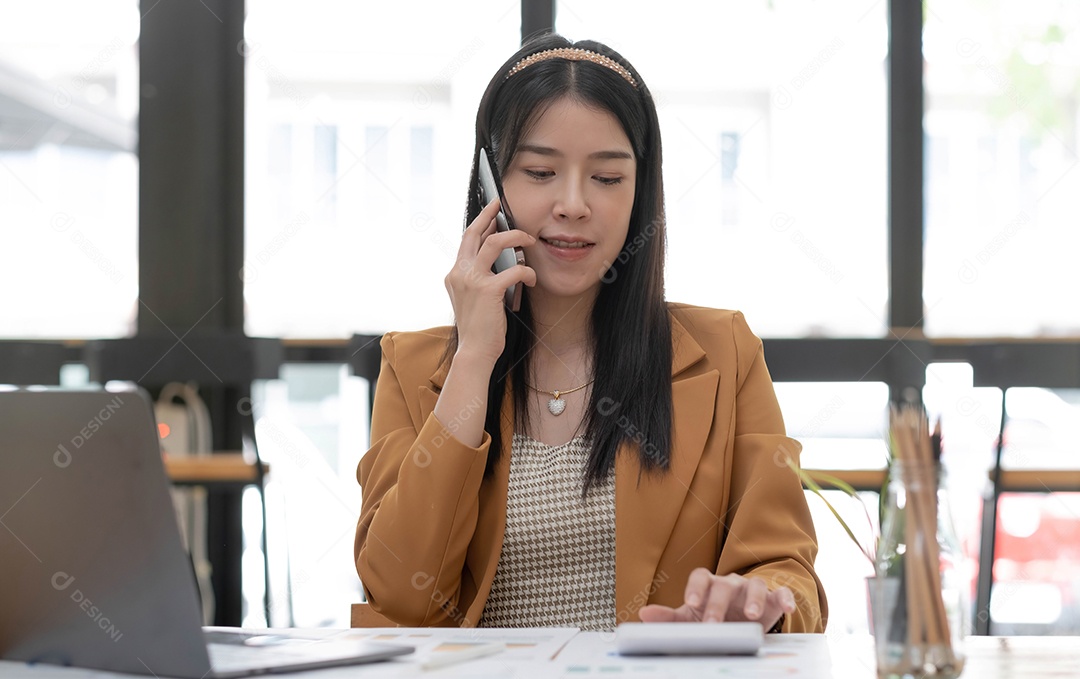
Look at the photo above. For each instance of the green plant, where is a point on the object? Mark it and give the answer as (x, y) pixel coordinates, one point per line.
(814, 487)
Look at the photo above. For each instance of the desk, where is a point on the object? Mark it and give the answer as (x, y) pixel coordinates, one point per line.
(219, 468)
(1012, 480)
(588, 654)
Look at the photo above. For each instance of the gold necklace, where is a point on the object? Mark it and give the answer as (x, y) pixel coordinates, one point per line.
(557, 404)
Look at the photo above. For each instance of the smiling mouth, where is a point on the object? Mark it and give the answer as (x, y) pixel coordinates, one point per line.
(567, 244)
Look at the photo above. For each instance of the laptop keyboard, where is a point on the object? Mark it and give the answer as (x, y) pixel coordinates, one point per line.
(230, 651)
(243, 652)
(230, 657)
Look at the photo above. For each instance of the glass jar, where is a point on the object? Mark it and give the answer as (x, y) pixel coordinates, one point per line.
(919, 594)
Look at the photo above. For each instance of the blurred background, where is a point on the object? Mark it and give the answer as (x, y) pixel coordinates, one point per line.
(882, 187)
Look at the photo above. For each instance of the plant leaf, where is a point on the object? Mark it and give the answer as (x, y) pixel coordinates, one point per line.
(815, 488)
(837, 483)
(844, 525)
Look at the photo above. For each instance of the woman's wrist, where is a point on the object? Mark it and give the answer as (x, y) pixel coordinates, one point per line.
(463, 399)
(471, 361)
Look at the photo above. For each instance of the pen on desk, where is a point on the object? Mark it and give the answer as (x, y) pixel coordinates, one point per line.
(454, 657)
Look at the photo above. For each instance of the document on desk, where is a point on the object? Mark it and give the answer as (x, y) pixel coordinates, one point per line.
(798, 656)
(472, 652)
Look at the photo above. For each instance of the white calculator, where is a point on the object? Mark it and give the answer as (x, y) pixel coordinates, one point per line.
(689, 638)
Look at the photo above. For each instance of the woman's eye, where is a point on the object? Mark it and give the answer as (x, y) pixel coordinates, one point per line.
(539, 174)
(609, 181)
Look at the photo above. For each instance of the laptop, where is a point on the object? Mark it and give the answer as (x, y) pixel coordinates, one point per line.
(94, 574)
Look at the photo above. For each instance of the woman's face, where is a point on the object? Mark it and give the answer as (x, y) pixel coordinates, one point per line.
(571, 185)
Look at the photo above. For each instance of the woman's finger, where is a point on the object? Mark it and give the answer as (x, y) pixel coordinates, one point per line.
(697, 588)
(517, 274)
(786, 598)
(712, 598)
(658, 613)
(723, 591)
(777, 604)
(756, 596)
(475, 271)
(494, 244)
(478, 229)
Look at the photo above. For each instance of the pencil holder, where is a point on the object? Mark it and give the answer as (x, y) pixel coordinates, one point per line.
(919, 595)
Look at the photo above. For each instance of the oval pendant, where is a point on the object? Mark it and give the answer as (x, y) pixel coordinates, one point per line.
(556, 406)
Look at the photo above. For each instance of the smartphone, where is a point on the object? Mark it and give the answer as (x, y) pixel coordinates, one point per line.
(490, 188)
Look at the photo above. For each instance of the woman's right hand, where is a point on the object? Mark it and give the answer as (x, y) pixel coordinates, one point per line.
(476, 292)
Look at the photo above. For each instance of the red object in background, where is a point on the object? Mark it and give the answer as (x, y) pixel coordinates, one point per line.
(1037, 542)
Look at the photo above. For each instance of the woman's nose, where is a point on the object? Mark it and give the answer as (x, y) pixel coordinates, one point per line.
(571, 203)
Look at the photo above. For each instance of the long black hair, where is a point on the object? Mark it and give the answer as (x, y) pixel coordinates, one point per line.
(631, 331)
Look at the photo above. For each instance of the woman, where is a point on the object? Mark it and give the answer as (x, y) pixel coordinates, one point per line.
(601, 455)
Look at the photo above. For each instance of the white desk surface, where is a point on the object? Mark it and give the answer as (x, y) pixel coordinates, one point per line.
(591, 654)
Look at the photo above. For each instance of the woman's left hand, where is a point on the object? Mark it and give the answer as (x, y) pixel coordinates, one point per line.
(729, 598)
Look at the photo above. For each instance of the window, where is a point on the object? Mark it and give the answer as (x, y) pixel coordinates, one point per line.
(312, 429)
(1042, 430)
(773, 120)
(1001, 168)
(68, 170)
(359, 148)
(1035, 550)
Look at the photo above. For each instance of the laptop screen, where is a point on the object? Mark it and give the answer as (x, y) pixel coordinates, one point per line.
(94, 571)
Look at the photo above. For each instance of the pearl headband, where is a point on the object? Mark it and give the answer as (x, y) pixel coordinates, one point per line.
(574, 54)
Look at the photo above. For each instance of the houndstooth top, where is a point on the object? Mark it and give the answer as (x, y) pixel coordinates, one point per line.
(557, 567)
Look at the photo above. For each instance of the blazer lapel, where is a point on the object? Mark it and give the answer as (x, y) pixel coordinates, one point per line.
(648, 505)
(428, 399)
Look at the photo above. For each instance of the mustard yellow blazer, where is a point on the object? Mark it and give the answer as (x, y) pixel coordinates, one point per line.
(431, 526)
